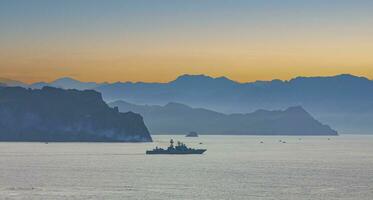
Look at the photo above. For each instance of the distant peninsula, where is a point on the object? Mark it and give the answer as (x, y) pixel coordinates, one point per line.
(51, 114)
(176, 118)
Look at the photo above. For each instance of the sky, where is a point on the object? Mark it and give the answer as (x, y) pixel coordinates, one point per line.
(156, 41)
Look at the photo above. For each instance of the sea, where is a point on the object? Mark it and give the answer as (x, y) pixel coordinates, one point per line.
(233, 167)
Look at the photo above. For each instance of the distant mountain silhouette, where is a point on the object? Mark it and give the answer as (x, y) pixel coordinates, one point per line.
(66, 83)
(344, 101)
(228, 96)
(175, 118)
(52, 114)
(12, 83)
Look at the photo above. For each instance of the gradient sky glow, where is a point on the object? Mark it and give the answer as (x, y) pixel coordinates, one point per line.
(144, 40)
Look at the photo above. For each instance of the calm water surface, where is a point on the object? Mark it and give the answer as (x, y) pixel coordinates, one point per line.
(234, 167)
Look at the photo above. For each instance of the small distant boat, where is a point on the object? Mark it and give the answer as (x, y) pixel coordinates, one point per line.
(180, 148)
(192, 134)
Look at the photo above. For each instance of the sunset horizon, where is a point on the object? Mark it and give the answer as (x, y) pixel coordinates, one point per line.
(144, 41)
(177, 76)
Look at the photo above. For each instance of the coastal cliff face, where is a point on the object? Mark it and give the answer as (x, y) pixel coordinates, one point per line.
(51, 114)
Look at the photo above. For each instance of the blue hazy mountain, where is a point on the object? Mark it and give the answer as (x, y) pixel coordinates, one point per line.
(12, 83)
(188, 89)
(52, 114)
(228, 96)
(345, 101)
(66, 83)
(176, 118)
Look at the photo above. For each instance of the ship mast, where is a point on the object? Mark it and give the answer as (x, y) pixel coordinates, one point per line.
(172, 143)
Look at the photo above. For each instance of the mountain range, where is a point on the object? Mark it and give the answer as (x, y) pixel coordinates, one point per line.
(176, 118)
(345, 101)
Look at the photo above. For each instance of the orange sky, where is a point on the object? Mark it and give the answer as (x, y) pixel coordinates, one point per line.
(126, 41)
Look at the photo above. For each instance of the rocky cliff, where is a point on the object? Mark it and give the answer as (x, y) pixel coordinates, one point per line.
(51, 114)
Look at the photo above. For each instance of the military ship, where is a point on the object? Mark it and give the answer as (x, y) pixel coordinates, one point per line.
(192, 134)
(180, 148)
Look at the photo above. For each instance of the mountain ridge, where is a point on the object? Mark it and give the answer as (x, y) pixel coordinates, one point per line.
(196, 76)
(177, 118)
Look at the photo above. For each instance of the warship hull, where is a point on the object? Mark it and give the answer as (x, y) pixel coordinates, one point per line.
(195, 151)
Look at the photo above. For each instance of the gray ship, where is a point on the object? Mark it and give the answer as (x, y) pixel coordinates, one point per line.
(192, 134)
(180, 148)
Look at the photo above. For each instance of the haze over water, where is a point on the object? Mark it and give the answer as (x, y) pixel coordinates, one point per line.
(234, 167)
